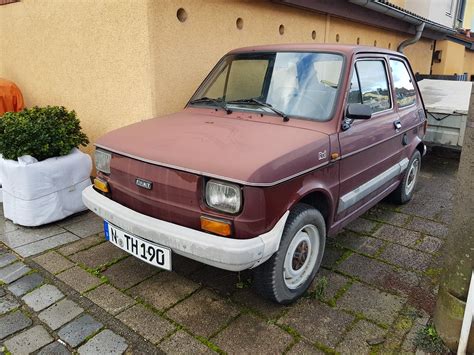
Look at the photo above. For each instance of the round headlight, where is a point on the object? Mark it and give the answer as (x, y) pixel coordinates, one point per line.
(223, 196)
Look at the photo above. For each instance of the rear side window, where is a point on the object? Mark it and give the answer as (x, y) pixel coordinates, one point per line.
(404, 88)
(369, 85)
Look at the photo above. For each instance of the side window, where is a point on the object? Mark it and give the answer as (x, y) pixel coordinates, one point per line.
(404, 89)
(374, 84)
(354, 92)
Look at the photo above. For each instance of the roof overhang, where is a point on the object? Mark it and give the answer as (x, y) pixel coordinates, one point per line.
(387, 8)
(382, 14)
(463, 40)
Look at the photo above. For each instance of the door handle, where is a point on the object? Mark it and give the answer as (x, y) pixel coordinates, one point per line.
(397, 124)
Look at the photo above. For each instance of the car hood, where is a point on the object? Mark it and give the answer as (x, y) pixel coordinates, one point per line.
(247, 151)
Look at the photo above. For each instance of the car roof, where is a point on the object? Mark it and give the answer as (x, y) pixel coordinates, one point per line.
(305, 47)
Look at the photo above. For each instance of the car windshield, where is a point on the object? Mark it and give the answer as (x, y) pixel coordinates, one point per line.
(294, 83)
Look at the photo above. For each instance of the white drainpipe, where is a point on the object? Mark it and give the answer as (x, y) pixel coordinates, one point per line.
(410, 41)
(467, 320)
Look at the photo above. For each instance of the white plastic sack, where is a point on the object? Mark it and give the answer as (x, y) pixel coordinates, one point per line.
(36, 193)
(1, 191)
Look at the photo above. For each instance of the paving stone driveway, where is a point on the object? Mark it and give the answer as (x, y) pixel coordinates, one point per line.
(63, 288)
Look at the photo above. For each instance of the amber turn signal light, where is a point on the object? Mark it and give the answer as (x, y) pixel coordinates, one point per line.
(101, 185)
(217, 227)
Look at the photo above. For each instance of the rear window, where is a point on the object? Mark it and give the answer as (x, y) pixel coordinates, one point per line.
(404, 88)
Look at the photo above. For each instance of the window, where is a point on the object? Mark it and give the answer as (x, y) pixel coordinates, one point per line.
(354, 91)
(241, 79)
(373, 84)
(299, 84)
(404, 89)
(460, 14)
(246, 79)
(305, 84)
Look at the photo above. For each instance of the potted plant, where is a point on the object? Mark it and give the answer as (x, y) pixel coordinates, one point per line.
(42, 172)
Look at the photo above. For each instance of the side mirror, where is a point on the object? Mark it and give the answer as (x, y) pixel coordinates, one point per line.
(358, 112)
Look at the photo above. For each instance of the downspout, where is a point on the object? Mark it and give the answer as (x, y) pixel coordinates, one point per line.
(410, 41)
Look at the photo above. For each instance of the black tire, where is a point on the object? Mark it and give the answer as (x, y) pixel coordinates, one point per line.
(402, 195)
(269, 279)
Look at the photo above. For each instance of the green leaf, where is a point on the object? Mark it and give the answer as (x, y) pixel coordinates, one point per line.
(42, 132)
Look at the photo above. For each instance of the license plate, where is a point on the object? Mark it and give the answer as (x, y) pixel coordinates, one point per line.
(150, 253)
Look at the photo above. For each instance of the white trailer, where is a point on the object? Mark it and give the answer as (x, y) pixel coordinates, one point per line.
(447, 104)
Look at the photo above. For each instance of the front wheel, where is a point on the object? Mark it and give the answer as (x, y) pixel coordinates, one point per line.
(406, 189)
(289, 272)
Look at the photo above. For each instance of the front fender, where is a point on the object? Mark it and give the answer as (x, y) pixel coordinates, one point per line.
(319, 189)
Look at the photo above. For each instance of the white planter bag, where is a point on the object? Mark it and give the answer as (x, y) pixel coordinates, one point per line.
(1, 189)
(36, 193)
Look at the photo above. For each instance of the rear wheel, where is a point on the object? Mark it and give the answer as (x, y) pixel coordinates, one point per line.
(289, 272)
(406, 189)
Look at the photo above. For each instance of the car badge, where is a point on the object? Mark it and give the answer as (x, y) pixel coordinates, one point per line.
(144, 184)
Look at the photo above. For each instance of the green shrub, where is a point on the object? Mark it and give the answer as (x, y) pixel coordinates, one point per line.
(42, 132)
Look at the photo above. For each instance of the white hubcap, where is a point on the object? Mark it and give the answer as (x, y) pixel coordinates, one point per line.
(411, 177)
(301, 256)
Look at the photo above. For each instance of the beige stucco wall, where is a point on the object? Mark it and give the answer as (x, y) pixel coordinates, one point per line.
(469, 63)
(452, 58)
(91, 56)
(120, 61)
(419, 54)
(183, 53)
(468, 21)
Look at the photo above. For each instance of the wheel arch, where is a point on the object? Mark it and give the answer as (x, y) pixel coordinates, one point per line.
(416, 144)
(421, 148)
(322, 201)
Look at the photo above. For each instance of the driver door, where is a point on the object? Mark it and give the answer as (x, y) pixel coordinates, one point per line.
(370, 149)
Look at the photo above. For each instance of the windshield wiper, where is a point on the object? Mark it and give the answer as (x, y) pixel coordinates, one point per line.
(219, 102)
(264, 104)
(329, 83)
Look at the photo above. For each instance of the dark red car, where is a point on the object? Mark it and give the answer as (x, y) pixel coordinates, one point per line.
(278, 148)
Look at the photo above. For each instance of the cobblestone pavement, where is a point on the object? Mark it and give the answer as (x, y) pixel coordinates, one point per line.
(63, 288)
